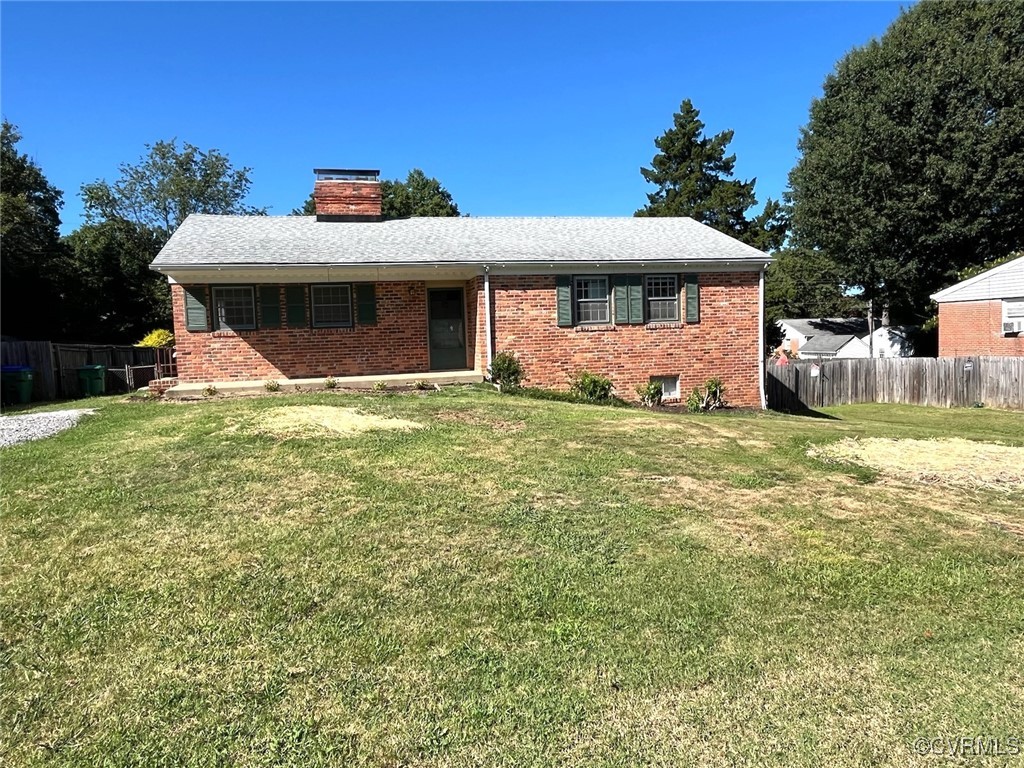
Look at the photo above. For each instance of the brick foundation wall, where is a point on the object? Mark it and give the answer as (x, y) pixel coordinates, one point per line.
(396, 344)
(975, 328)
(724, 343)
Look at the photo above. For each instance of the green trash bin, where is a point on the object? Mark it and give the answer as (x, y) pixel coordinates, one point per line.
(93, 379)
(16, 384)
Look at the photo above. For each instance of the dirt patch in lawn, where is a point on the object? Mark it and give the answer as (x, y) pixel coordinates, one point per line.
(952, 461)
(475, 419)
(304, 420)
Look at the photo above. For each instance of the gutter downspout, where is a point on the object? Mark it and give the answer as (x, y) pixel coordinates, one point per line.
(760, 338)
(487, 317)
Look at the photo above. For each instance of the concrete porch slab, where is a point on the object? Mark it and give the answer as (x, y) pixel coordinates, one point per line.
(398, 380)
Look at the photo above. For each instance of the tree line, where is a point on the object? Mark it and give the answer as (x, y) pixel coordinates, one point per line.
(95, 284)
(910, 176)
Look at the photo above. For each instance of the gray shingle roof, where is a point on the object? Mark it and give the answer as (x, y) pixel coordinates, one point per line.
(301, 240)
(828, 326)
(826, 343)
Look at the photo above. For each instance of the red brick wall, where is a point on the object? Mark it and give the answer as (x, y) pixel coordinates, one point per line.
(347, 198)
(724, 343)
(396, 344)
(975, 328)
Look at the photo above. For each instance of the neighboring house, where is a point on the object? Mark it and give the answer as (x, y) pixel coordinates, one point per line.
(822, 346)
(348, 293)
(984, 315)
(827, 337)
(832, 333)
(892, 341)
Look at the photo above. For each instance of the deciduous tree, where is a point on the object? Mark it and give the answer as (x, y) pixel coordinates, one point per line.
(418, 195)
(34, 261)
(167, 184)
(912, 163)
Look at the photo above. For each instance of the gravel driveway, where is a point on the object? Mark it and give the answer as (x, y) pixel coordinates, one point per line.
(35, 426)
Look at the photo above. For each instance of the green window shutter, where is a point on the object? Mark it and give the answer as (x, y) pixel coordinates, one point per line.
(563, 287)
(196, 316)
(636, 298)
(270, 306)
(366, 304)
(295, 305)
(692, 293)
(620, 291)
(629, 298)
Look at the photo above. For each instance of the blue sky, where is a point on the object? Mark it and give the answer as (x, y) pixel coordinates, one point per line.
(519, 109)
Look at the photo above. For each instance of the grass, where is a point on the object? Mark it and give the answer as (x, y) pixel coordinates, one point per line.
(517, 583)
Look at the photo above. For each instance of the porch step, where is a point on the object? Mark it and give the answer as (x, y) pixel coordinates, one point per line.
(159, 386)
(397, 380)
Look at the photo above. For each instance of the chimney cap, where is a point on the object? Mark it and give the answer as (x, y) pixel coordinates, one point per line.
(346, 174)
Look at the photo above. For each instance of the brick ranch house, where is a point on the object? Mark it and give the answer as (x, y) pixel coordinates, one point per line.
(348, 293)
(984, 315)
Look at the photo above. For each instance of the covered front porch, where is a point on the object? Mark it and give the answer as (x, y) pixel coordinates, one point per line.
(353, 324)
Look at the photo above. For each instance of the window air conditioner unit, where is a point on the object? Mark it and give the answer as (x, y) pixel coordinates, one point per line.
(1013, 327)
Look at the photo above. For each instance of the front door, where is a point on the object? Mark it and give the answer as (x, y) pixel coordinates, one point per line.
(446, 315)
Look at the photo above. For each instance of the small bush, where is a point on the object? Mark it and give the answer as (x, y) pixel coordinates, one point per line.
(591, 387)
(209, 390)
(707, 398)
(158, 338)
(506, 371)
(330, 382)
(562, 396)
(272, 385)
(650, 394)
(381, 386)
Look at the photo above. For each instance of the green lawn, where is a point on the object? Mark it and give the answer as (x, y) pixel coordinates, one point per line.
(518, 583)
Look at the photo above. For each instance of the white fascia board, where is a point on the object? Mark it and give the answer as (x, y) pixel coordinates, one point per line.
(295, 273)
(949, 294)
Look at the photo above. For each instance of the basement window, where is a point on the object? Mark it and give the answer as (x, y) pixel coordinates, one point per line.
(332, 305)
(234, 308)
(669, 386)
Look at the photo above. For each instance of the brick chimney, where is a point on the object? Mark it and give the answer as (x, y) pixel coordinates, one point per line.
(343, 194)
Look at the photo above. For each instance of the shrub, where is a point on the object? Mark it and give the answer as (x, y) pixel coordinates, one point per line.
(209, 390)
(381, 386)
(561, 396)
(272, 385)
(330, 382)
(707, 398)
(650, 394)
(157, 338)
(506, 371)
(590, 387)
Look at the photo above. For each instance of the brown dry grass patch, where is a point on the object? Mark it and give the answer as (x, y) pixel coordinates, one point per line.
(324, 419)
(949, 461)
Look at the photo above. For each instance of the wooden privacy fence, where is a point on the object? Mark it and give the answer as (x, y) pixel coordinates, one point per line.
(55, 366)
(996, 382)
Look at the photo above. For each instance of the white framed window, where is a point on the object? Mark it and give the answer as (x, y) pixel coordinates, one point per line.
(1013, 316)
(234, 308)
(669, 386)
(590, 297)
(661, 298)
(332, 305)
